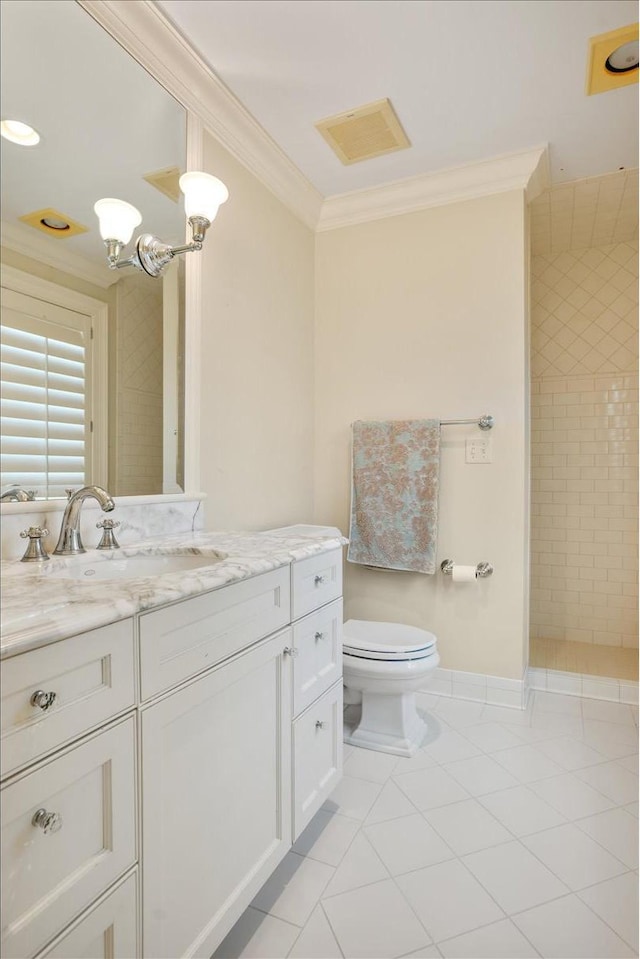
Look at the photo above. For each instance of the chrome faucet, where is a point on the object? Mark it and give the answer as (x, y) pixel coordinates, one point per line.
(19, 495)
(69, 541)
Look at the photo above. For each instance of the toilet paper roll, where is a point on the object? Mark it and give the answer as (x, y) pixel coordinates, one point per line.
(464, 574)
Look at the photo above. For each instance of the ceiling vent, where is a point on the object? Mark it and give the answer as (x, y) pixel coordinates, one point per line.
(53, 223)
(613, 60)
(166, 181)
(363, 133)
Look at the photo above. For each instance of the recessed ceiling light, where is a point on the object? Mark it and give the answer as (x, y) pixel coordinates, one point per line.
(623, 59)
(20, 133)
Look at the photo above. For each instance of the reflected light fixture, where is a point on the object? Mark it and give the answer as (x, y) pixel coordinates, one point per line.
(203, 195)
(18, 132)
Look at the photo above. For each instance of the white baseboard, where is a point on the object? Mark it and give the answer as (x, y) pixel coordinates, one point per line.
(479, 688)
(579, 684)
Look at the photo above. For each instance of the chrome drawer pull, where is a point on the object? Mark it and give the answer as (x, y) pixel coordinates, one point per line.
(289, 651)
(319, 724)
(319, 636)
(43, 700)
(47, 821)
(318, 580)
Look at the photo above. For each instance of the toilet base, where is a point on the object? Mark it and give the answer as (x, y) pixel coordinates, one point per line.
(389, 724)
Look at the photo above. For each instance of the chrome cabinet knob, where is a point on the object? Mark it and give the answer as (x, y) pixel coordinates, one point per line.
(318, 580)
(319, 724)
(47, 821)
(290, 651)
(318, 636)
(43, 700)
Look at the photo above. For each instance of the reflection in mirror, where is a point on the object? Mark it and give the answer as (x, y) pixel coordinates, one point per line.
(92, 381)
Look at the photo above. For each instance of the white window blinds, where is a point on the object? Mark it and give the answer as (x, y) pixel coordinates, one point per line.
(44, 423)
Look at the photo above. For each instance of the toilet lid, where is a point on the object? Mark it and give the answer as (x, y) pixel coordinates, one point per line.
(390, 641)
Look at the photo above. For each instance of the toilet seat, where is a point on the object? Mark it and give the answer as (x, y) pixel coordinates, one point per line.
(390, 642)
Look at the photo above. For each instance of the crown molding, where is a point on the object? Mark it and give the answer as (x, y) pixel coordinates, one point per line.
(525, 170)
(145, 33)
(54, 254)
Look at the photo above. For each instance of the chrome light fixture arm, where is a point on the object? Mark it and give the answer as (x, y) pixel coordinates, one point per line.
(151, 254)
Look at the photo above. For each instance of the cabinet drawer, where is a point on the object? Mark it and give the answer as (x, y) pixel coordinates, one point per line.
(108, 931)
(92, 676)
(317, 640)
(181, 640)
(317, 756)
(316, 581)
(49, 878)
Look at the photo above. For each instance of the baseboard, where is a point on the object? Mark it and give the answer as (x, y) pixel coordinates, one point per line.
(580, 684)
(479, 688)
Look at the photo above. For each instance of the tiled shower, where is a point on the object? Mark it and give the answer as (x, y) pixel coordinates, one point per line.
(584, 385)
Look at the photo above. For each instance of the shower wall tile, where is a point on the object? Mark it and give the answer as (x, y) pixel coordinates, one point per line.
(585, 446)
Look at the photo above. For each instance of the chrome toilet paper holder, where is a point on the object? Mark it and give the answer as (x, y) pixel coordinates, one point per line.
(482, 569)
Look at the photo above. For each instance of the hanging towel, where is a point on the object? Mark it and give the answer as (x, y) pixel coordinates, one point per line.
(394, 494)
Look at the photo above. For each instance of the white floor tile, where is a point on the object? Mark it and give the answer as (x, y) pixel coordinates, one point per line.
(491, 736)
(570, 753)
(480, 775)
(534, 734)
(630, 763)
(575, 858)
(553, 724)
(503, 714)
(353, 797)
(607, 712)
(570, 796)
(449, 746)
(567, 929)
(617, 831)
(374, 922)
(514, 877)
(257, 936)
(407, 844)
(521, 811)
(616, 901)
(293, 890)
(428, 788)
(501, 940)
(361, 865)
(557, 703)
(614, 740)
(427, 952)
(612, 780)
(467, 826)
(632, 807)
(390, 804)
(527, 763)
(448, 900)
(370, 765)
(316, 941)
(420, 760)
(327, 837)
(458, 713)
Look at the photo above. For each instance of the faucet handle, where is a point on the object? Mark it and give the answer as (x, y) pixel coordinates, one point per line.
(34, 551)
(108, 540)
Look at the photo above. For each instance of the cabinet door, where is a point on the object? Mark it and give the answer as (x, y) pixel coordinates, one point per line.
(317, 665)
(216, 800)
(53, 869)
(317, 756)
(108, 931)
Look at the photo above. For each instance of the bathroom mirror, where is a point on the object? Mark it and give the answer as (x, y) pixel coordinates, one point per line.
(107, 128)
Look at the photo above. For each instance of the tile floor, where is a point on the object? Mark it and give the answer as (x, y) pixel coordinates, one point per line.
(587, 658)
(510, 833)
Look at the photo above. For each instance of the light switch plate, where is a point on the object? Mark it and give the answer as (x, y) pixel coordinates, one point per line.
(478, 450)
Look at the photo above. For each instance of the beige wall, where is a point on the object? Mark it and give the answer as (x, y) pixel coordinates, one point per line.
(585, 445)
(257, 357)
(424, 315)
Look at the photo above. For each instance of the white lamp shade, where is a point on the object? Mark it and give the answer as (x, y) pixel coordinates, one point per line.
(117, 219)
(203, 194)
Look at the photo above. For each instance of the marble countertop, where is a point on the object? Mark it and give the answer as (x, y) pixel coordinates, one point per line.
(39, 606)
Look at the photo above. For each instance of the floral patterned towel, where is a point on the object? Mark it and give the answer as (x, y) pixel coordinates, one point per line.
(394, 494)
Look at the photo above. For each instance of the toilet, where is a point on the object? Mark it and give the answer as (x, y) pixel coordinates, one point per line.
(386, 664)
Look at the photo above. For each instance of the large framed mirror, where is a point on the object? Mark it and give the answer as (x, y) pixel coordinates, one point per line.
(93, 360)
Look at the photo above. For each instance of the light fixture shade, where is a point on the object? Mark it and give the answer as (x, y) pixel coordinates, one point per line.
(203, 194)
(18, 132)
(117, 219)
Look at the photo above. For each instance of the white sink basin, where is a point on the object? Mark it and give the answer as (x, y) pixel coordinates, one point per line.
(132, 567)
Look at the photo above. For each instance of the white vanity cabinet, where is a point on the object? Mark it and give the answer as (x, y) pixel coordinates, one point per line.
(183, 753)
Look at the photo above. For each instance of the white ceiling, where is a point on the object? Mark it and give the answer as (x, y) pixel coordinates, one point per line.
(103, 120)
(469, 79)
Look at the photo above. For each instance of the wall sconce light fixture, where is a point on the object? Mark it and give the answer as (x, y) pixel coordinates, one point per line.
(203, 195)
